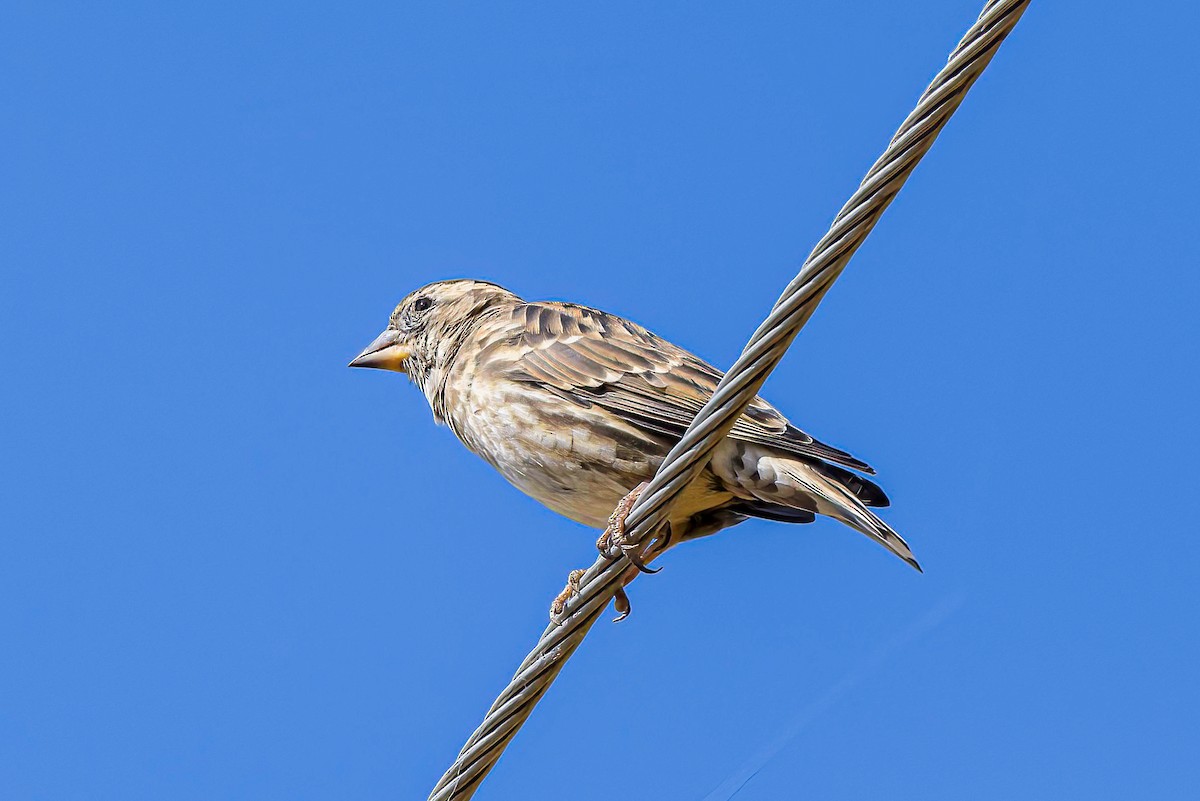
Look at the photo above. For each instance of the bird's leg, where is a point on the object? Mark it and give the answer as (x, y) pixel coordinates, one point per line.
(620, 599)
(559, 604)
(614, 533)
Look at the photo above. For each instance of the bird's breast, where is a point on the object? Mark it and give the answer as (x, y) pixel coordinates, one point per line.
(577, 461)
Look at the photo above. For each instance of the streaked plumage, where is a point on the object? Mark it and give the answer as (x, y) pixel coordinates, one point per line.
(575, 407)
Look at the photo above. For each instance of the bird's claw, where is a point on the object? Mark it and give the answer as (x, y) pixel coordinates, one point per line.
(621, 604)
(635, 559)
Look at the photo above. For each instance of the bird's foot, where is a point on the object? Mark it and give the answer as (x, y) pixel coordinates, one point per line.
(613, 536)
(559, 605)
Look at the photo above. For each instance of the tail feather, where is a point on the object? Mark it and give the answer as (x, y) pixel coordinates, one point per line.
(868, 492)
(784, 485)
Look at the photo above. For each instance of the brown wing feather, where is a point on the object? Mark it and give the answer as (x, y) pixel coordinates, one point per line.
(594, 358)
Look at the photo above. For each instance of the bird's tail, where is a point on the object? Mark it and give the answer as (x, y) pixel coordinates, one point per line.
(817, 486)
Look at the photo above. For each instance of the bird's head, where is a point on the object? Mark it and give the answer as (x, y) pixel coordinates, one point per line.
(428, 327)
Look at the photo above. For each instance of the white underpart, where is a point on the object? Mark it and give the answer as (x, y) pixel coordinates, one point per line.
(566, 465)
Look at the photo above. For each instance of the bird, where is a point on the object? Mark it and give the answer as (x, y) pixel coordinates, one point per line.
(577, 408)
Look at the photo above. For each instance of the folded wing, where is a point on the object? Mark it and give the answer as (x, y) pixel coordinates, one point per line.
(593, 358)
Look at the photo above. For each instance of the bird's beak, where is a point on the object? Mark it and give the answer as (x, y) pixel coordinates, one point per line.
(385, 353)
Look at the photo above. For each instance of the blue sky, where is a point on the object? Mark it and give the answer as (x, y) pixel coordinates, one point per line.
(232, 568)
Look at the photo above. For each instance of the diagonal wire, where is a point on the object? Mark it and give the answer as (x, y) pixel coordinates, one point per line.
(733, 394)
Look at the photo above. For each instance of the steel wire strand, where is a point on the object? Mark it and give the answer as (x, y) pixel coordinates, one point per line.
(733, 394)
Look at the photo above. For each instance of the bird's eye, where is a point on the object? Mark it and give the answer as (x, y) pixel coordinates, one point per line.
(421, 304)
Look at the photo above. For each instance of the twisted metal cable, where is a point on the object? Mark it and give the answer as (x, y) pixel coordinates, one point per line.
(733, 394)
